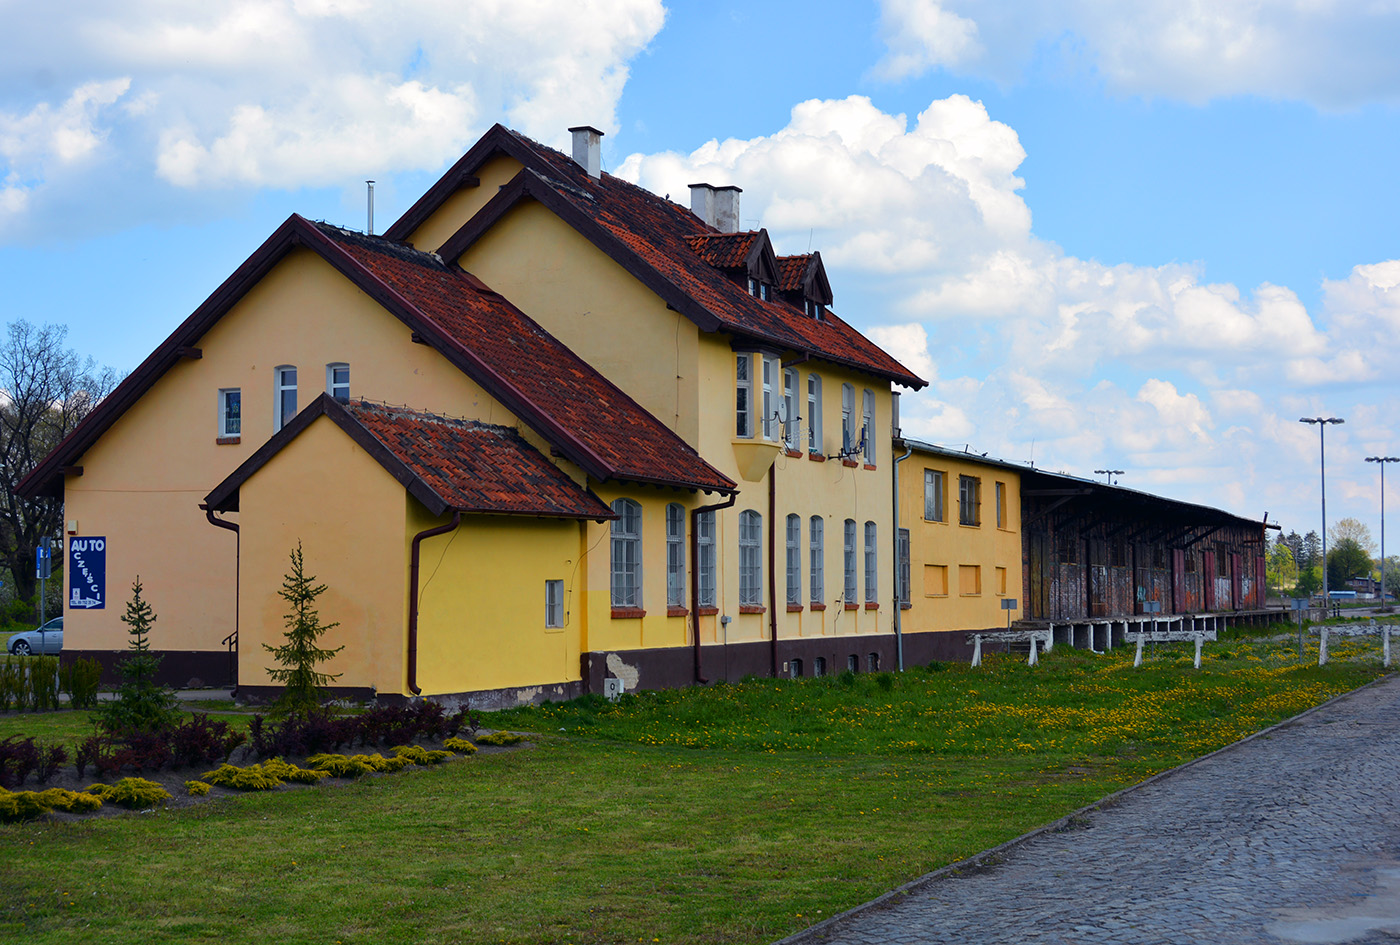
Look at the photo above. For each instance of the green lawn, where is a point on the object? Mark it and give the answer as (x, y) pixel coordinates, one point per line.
(729, 814)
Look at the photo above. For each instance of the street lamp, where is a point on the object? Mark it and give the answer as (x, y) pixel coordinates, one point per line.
(1381, 461)
(1110, 473)
(1322, 441)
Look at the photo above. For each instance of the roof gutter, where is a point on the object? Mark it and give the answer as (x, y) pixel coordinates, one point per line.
(695, 575)
(413, 595)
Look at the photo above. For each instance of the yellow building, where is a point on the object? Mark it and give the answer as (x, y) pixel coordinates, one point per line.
(962, 515)
(674, 459)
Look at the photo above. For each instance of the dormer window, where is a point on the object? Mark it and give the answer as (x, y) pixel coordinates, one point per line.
(759, 290)
(815, 309)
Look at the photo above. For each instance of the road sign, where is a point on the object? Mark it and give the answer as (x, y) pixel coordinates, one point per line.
(43, 561)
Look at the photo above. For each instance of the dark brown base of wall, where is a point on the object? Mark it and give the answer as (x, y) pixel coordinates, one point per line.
(181, 669)
(266, 695)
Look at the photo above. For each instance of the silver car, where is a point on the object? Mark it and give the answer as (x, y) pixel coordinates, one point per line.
(47, 639)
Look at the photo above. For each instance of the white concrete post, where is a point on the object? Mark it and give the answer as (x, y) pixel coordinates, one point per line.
(977, 650)
(1199, 638)
(1385, 645)
(1035, 640)
(1050, 639)
(1137, 660)
(1322, 648)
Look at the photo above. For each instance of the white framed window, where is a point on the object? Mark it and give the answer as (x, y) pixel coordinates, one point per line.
(750, 558)
(848, 418)
(817, 565)
(338, 381)
(848, 590)
(902, 575)
(675, 555)
(627, 554)
(770, 398)
(285, 402)
(705, 555)
(868, 425)
(743, 395)
(872, 577)
(933, 495)
(814, 413)
(969, 500)
(554, 603)
(790, 418)
(794, 559)
(230, 411)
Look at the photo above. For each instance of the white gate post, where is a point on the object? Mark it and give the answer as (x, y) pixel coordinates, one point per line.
(1322, 648)
(1198, 650)
(977, 650)
(1137, 660)
(1034, 659)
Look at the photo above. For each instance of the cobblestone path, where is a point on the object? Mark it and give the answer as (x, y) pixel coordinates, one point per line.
(1291, 837)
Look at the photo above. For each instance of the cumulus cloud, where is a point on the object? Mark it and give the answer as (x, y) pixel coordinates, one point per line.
(1329, 54)
(290, 93)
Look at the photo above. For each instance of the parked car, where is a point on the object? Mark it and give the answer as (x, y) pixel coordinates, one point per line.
(47, 640)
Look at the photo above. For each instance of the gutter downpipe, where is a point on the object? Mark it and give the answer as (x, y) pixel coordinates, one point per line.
(772, 567)
(695, 575)
(413, 596)
(898, 611)
(237, 566)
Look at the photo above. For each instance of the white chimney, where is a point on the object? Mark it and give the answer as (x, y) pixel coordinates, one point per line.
(702, 202)
(727, 209)
(588, 142)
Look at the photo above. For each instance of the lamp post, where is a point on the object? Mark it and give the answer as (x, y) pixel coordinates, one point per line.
(1109, 473)
(1381, 461)
(1321, 423)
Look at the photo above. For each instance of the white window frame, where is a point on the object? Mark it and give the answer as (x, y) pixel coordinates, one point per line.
(791, 426)
(227, 429)
(554, 603)
(675, 555)
(750, 558)
(339, 390)
(281, 390)
(770, 398)
(848, 419)
(816, 526)
(934, 488)
(872, 576)
(848, 590)
(625, 586)
(794, 559)
(705, 555)
(743, 395)
(868, 425)
(814, 414)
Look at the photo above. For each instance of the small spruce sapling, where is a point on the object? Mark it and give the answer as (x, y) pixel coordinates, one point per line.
(299, 656)
(141, 705)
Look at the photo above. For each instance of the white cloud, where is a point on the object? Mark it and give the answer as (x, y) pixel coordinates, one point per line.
(289, 93)
(1328, 53)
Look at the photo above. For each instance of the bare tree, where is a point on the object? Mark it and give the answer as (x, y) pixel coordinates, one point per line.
(45, 390)
(1354, 529)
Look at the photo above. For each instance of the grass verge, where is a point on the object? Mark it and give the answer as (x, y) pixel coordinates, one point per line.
(727, 814)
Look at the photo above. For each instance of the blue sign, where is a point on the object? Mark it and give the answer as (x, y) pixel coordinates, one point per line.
(43, 561)
(87, 570)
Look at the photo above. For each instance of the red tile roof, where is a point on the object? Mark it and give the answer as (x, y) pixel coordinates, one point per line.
(726, 250)
(792, 270)
(651, 237)
(476, 467)
(626, 440)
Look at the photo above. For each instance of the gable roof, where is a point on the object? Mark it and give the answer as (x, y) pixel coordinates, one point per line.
(583, 415)
(648, 236)
(804, 274)
(445, 463)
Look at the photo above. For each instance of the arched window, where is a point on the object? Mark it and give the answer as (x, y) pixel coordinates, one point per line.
(818, 563)
(750, 559)
(848, 418)
(627, 554)
(705, 553)
(675, 555)
(814, 414)
(794, 559)
(868, 425)
(338, 381)
(872, 579)
(849, 560)
(285, 395)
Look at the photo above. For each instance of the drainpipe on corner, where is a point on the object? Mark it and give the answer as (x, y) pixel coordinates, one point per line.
(237, 565)
(772, 568)
(898, 611)
(695, 575)
(413, 596)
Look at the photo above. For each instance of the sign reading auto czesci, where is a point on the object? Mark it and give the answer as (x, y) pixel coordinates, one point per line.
(87, 570)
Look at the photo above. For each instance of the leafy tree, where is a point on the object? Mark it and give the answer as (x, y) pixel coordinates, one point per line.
(141, 705)
(1353, 529)
(45, 390)
(1346, 559)
(1309, 582)
(1281, 570)
(300, 655)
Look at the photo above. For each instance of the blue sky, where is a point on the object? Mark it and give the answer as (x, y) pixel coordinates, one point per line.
(1145, 238)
